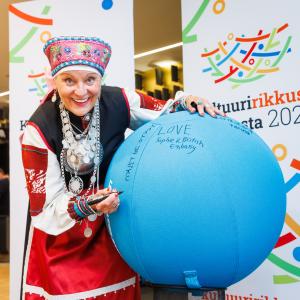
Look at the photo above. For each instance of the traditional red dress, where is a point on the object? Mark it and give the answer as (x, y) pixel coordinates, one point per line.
(60, 262)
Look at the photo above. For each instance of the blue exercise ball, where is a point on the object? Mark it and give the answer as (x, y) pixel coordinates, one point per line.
(204, 200)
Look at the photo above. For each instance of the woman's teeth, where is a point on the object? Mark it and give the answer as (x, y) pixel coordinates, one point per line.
(81, 100)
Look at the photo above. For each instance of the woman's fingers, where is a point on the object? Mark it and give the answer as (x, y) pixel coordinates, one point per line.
(103, 192)
(219, 112)
(201, 105)
(200, 109)
(209, 109)
(110, 204)
(189, 100)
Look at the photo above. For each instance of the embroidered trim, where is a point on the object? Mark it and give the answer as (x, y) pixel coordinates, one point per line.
(78, 208)
(78, 62)
(30, 148)
(152, 103)
(75, 38)
(35, 161)
(178, 106)
(68, 51)
(82, 295)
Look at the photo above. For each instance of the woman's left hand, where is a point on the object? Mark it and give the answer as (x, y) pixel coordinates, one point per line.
(194, 103)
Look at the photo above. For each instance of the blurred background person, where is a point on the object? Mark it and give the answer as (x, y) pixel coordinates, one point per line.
(4, 211)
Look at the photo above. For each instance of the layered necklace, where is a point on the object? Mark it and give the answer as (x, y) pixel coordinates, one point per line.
(82, 153)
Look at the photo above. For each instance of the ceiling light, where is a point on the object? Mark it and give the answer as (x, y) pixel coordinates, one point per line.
(4, 94)
(158, 50)
(166, 63)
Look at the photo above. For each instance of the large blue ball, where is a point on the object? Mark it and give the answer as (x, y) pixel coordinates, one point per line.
(200, 194)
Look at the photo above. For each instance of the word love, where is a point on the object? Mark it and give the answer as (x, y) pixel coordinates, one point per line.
(176, 129)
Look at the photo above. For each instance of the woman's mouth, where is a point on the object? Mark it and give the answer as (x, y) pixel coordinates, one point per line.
(80, 101)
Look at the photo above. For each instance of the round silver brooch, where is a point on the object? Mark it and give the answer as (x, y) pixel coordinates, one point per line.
(75, 185)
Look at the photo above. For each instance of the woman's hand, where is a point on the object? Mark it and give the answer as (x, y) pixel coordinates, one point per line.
(110, 204)
(194, 103)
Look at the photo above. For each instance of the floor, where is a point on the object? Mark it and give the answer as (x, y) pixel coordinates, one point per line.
(4, 277)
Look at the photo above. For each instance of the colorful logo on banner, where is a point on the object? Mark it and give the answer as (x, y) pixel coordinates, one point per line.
(38, 78)
(44, 36)
(218, 7)
(248, 58)
(39, 84)
(292, 270)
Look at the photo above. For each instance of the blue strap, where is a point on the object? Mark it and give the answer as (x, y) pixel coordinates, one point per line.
(191, 279)
(78, 212)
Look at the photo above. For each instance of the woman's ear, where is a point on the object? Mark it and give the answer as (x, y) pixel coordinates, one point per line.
(54, 96)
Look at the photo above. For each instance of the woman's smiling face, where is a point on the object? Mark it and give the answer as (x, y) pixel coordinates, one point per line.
(78, 90)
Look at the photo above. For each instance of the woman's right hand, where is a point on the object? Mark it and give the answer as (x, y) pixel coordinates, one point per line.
(110, 204)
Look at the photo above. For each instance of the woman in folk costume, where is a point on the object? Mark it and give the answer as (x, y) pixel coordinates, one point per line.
(66, 149)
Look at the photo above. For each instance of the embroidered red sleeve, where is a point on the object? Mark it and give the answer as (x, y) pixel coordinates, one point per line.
(149, 102)
(35, 162)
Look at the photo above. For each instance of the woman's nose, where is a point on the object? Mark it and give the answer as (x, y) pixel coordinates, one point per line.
(80, 90)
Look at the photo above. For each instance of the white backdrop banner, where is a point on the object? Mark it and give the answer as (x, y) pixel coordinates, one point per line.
(244, 56)
(31, 24)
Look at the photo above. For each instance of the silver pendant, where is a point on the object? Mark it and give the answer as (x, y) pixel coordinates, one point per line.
(88, 232)
(87, 117)
(69, 134)
(73, 158)
(93, 179)
(92, 218)
(75, 185)
(66, 145)
(86, 159)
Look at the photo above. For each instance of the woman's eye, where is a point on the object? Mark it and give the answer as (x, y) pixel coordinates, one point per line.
(91, 80)
(68, 81)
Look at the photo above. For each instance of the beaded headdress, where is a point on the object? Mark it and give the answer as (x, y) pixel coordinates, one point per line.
(65, 51)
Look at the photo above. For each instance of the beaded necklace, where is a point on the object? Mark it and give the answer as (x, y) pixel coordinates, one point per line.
(82, 153)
